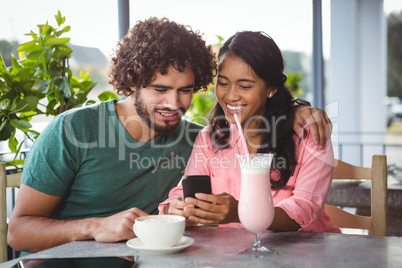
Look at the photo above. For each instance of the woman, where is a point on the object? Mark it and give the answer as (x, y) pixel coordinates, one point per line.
(251, 85)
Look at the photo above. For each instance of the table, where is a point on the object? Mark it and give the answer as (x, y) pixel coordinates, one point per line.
(359, 196)
(218, 247)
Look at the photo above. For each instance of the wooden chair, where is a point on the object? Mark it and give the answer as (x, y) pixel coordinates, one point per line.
(13, 180)
(377, 222)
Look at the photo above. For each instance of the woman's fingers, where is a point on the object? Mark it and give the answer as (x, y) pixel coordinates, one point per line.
(212, 209)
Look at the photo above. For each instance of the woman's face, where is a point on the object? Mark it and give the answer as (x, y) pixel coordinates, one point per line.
(239, 90)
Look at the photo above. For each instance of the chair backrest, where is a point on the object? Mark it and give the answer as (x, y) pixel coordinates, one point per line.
(13, 180)
(377, 221)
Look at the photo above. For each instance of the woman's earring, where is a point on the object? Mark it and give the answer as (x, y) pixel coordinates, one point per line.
(272, 92)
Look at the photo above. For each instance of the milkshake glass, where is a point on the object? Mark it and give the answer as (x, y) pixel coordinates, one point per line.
(256, 209)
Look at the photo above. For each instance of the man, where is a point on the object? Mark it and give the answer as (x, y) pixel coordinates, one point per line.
(94, 170)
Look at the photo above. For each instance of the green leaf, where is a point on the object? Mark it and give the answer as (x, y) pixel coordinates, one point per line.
(50, 107)
(2, 64)
(86, 76)
(18, 162)
(87, 85)
(58, 18)
(2, 86)
(6, 131)
(44, 70)
(65, 52)
(12, 144)
(7, 78)
(66, 29)
(45, 28)
(34, 55)
(22, 124)
(74, 81)
(28, 114)
(34, 48)
(108, 95)
(27, 104)
(61, 106)
(17, 67)
(31, 64)
(46, 87)
(36, 133)
(26, 45)
(65, 87)
(3, 124)
(32, 102)
(57, 41)
(40, 26)
(90, 102)
(69, 72)
(33, 34)
(47, 37)
(58, 33)
(25, 74)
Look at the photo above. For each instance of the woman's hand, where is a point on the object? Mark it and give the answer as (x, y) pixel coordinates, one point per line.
(212, 209)
(175, 207)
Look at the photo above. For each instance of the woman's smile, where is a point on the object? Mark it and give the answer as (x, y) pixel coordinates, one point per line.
(234, 108)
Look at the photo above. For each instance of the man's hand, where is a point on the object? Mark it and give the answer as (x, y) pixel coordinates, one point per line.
(318, 121)
(212, 209)
(32, 229)
(117, 227)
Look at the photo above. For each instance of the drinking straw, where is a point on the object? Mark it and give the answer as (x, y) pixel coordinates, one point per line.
(243, 139)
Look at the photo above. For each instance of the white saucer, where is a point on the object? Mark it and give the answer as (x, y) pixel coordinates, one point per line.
(183, 243)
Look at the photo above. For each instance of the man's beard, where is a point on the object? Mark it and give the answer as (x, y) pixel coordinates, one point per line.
(163, 129)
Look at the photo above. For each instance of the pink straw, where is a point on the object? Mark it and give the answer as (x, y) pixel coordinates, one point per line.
(243, 139)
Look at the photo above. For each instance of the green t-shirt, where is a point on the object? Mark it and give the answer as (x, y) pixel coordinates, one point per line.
(86, 156)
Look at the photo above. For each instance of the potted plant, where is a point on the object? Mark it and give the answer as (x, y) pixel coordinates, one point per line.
(40, 82)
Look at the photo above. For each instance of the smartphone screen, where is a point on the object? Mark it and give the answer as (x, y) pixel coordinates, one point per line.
(196, 184)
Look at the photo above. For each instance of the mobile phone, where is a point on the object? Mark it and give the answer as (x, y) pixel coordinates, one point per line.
(193, 184)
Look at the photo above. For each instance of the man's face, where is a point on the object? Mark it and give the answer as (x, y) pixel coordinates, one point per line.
(165, 100)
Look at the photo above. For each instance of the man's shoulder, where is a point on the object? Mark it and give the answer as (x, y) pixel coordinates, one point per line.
(191, 129)
(93, 109)
(91, 113)
(191, 125)
(79, 118)
(186, 132)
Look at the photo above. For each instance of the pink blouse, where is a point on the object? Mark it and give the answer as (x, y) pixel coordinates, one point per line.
(308, 187)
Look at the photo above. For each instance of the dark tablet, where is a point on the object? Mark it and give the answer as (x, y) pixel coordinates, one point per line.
(90, 262)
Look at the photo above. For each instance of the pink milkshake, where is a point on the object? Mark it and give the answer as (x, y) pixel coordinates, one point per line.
(256, 210)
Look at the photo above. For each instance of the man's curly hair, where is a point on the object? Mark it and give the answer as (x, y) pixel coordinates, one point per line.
(155, 45)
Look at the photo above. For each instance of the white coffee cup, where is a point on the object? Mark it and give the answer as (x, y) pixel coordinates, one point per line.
(159, 231)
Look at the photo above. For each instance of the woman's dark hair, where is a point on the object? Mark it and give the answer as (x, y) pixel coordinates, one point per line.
(155, 45)
(264, 57)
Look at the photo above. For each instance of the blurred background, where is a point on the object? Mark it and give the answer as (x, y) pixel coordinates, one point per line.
(366, 109)
(360, 44)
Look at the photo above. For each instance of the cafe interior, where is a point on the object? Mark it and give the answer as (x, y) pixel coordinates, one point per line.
(365, 198)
